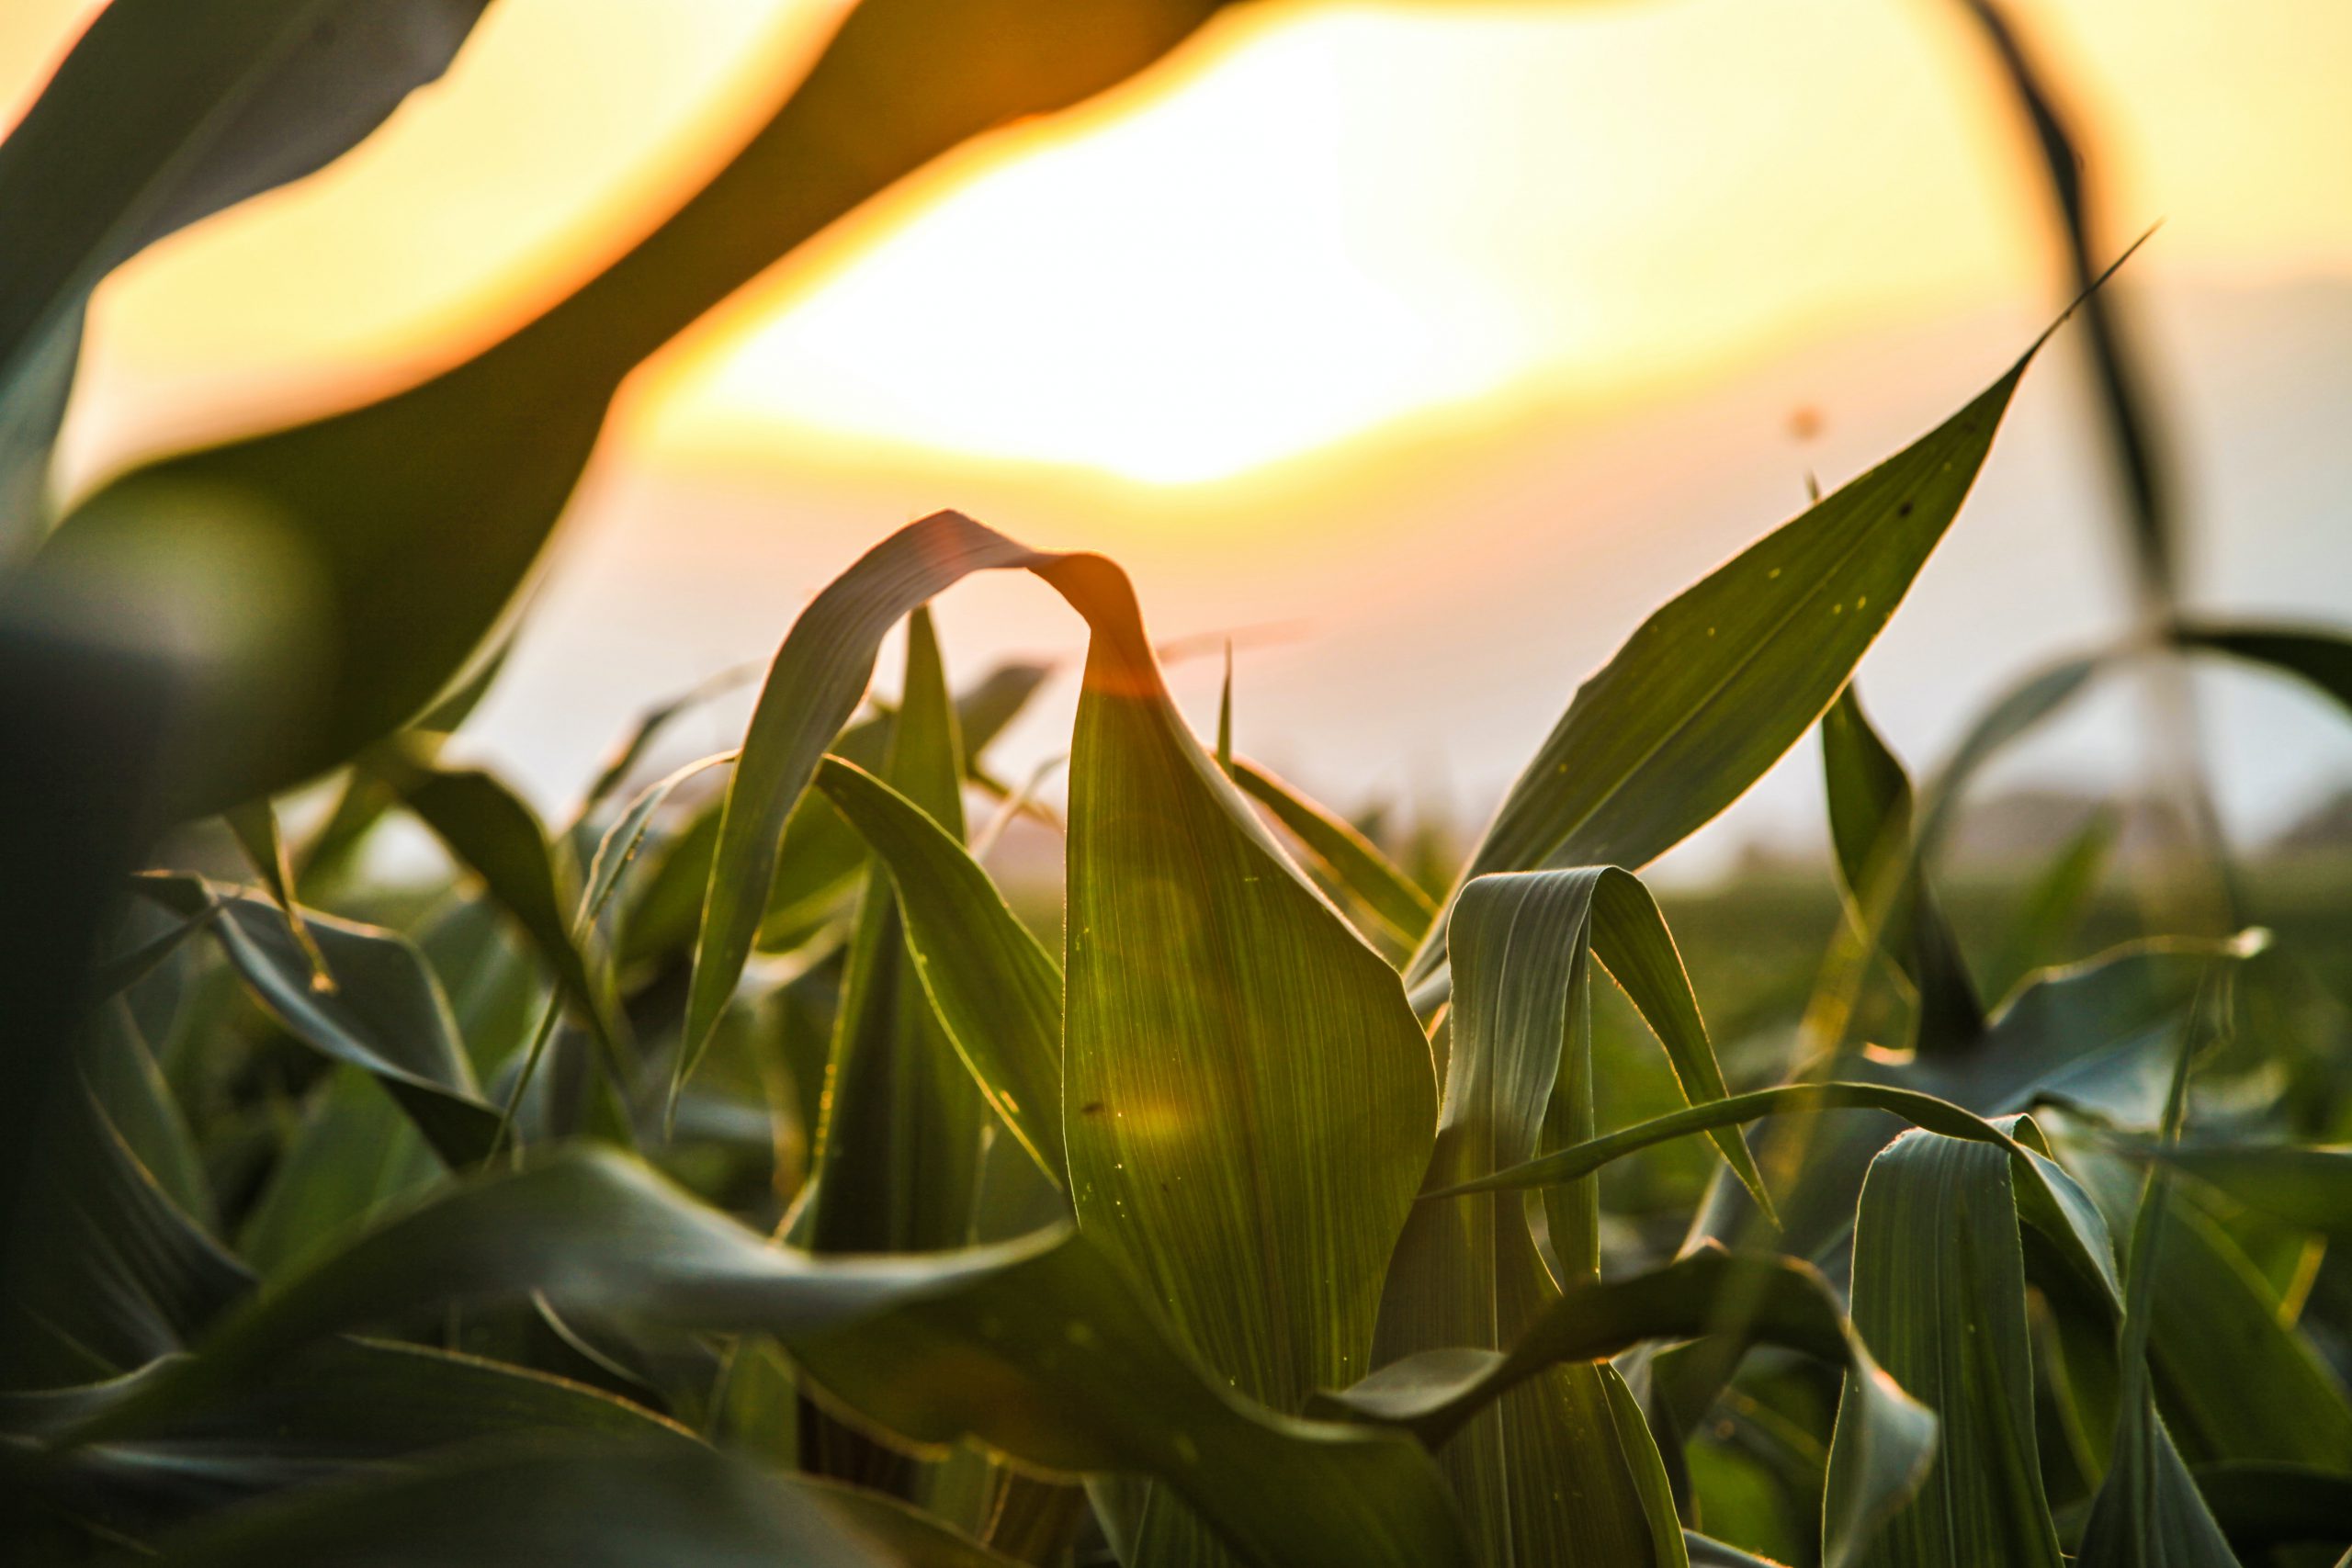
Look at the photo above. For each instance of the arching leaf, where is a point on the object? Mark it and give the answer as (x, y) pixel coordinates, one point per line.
(999, 992)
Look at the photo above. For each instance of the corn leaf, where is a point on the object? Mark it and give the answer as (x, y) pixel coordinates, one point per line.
(2095, 1034)
(1940, 1293)
(334, 1409)
(1750, 1298)
(1711, 689)
(1870, 824)
(2147, 1512)
(117, 1274)
(1248, 1100)
(1548, 1472)
(1058, 1362)
(899, 1148)
(998, 992)
(1581, 1159)
(1236, 1057)
(163, 112)
(502, 840)
(2321, 657)
(611, 1503)
(812, 688)
(1354, 861)
(384, 1013)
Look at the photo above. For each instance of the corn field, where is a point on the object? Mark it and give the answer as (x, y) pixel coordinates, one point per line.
(732, 1170)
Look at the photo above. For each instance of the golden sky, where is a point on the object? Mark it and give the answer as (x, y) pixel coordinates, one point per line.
(1321, 222)
(1448, 338)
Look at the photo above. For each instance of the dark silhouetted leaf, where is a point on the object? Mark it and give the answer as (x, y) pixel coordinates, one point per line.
(166, 111)
(385, 1013)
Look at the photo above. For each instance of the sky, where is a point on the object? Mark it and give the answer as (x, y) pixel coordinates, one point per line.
(1434, 343)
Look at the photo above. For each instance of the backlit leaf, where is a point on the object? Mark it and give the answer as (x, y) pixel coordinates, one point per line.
(998, 992)
(385, 1013)
(1711, 689)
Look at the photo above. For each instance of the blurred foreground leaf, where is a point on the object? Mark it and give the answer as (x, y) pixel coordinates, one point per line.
(163, 112)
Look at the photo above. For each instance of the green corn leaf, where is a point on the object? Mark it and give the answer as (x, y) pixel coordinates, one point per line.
(1870, 823)
(490, 831)
(1581, 1159)
(1714, 688)
(255, 827)
(353, 1154)
(2264, 1506)
(596, 1232)
(416, 562)
(997, 991)
(2094, 1034)
(2306, 1186)
(1354, 861)
(1056, 1359)
(812, 688)
(1549, 1474)
(1750, 1298)
(1940, 1293)
(1248, 1100)
(2319, 656)
(385, 1013)
(2147, 1512)
(115, 1274)
(1209, 988)
(609, 1505)
(2051, 1200)
(2237, 1383)
(899, 1151)
(1058, 1362)
(336, 1408)
(122, 1074)
(163, 112)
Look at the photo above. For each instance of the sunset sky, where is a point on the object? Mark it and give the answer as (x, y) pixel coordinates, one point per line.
(1228, 320)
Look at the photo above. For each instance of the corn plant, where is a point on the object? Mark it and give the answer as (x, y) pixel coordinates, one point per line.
(735, 1171)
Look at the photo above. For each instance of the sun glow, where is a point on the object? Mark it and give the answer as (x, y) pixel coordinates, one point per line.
(1316, 224)
(1173, 295)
